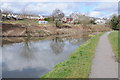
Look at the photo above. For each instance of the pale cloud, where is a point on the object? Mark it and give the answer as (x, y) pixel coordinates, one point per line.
(59, 0)
(110, 7)
(119, 8)
(8, 6)
(110, 14)
(47, 8)
(94, 14)
(96, 0)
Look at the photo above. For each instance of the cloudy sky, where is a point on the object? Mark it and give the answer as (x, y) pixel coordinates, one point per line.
(91, 8)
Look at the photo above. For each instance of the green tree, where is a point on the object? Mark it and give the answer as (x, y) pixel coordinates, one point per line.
(49, 19)
(92, 22)
(115, 22)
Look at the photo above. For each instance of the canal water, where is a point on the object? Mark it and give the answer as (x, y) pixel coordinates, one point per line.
(32, 59)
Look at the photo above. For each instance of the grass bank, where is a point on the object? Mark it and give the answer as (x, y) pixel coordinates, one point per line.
(113, 37)
(78, 65)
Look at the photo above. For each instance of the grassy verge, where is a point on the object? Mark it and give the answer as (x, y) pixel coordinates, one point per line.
(78, 65)
(113, 37)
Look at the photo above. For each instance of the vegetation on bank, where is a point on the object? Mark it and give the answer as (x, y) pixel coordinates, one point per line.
(113, 37)
(78, 65)
(26, 22)
(21, 28)
(115, 22)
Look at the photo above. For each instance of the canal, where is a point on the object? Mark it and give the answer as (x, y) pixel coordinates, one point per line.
(34, 58)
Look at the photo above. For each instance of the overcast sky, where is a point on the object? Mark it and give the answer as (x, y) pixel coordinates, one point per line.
(45, 7)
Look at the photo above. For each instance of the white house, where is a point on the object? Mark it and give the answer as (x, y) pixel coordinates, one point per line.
(100, 21)
(42, 20)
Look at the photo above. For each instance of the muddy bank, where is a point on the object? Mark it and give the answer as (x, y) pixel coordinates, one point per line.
(10, 40)
(42, 31)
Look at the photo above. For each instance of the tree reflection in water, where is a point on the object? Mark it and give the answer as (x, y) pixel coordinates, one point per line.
(35, 58)
(27, 51)
(57, 45)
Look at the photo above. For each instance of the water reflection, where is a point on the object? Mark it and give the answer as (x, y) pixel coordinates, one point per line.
(57, 45)
(32, 59)
(27, 51)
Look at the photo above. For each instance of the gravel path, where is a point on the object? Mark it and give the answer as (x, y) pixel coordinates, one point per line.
(104, 63)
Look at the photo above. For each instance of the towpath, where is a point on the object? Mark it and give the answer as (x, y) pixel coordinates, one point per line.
(104, 62)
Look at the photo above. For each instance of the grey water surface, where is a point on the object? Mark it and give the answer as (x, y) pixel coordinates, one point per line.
(32, 59)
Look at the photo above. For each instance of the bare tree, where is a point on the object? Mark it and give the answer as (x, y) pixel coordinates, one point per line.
(79, 18)
(76, 17)
(25, 14)
(57, 15)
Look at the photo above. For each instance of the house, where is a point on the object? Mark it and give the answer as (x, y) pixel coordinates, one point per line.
(35, 17)
(22, 16)
(42, 20)
(100, 21)
(12, 16)
(6, 16)
(17, 16)
(67, 19)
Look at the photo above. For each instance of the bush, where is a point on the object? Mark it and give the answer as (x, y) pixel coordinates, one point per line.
(58, 24)
(115, 22)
